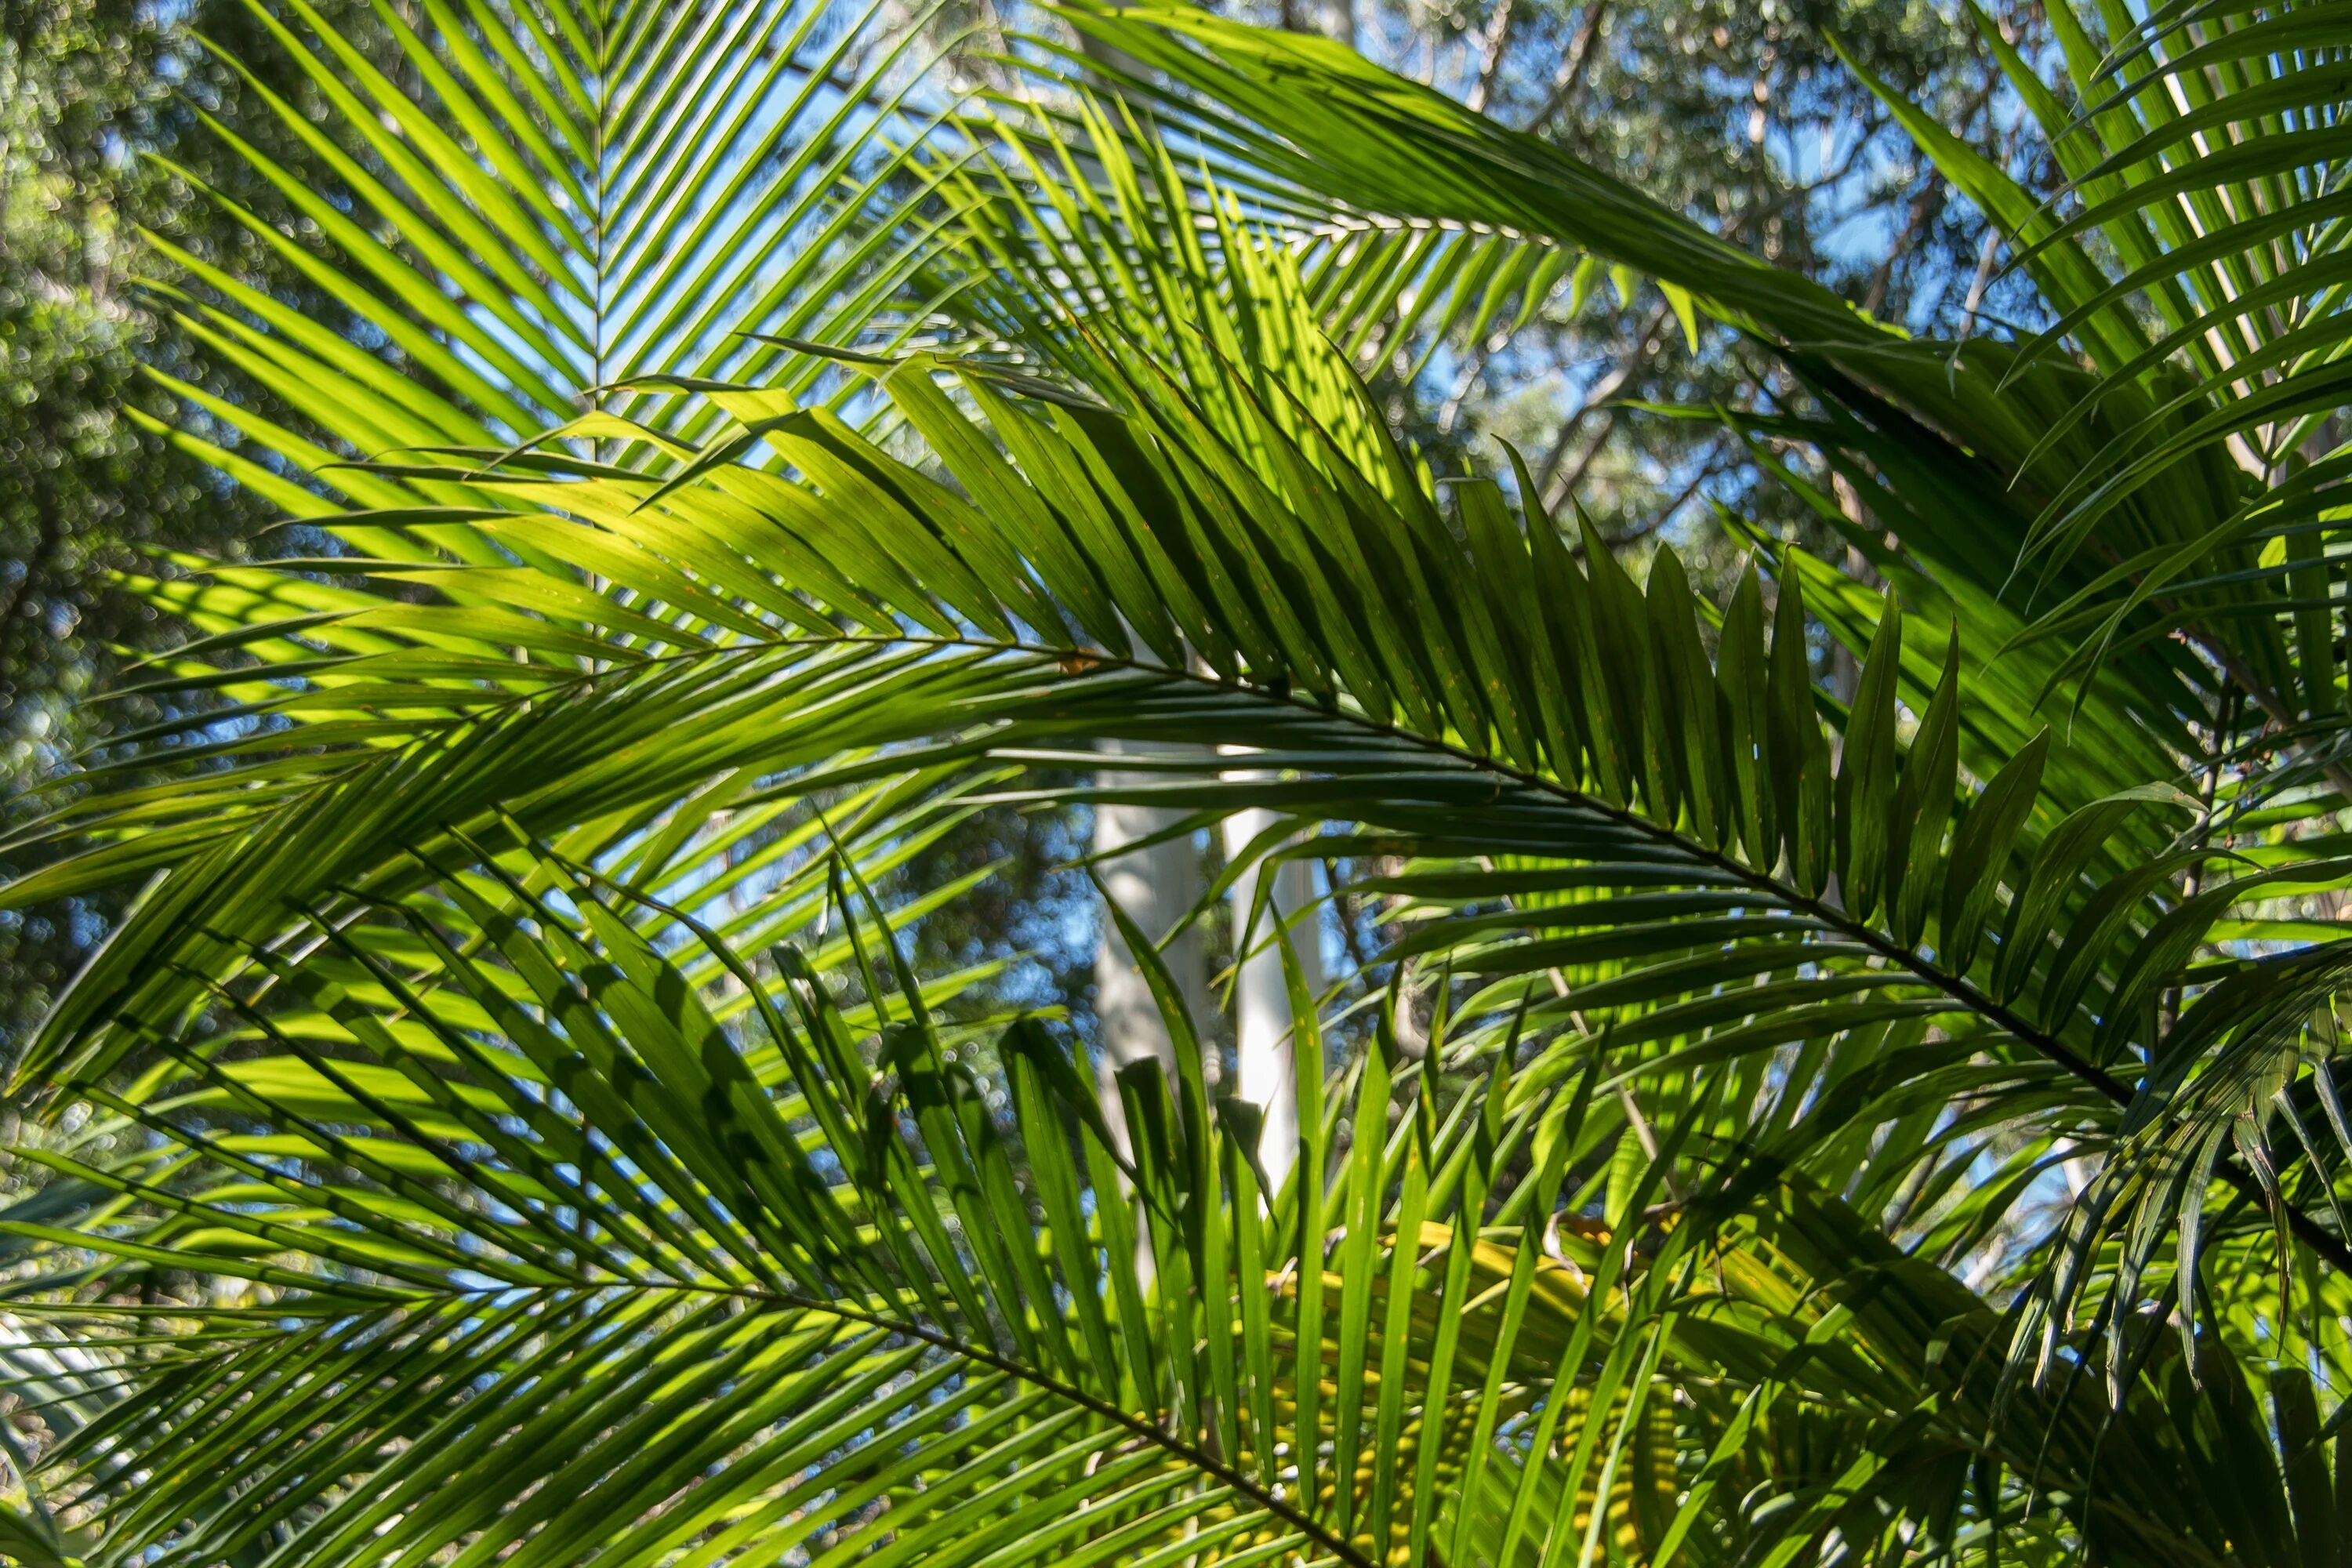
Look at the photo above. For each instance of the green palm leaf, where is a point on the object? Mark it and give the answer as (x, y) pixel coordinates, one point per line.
(531, 203)
(1673, 826)
(548, 1260)
(2058, 466)
(509, 1124)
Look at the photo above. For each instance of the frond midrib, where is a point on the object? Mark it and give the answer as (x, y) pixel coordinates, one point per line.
(1959, 988)
(1222, 1472)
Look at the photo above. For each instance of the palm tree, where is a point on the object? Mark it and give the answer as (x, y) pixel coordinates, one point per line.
(1903, 1124)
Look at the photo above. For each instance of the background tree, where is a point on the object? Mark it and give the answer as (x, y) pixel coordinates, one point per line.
(89, 480)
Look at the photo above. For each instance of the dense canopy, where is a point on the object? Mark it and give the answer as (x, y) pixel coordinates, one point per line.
(1844, 1068)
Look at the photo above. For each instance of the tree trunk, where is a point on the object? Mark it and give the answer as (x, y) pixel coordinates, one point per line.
(1266, 1065)
(1154, 886)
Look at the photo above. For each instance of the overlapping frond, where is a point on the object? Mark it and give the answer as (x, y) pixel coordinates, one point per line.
(515, 1130)
(2096, 511)
(545, 1258)
(1683, 869)
(2208, 327)
(1100, 216)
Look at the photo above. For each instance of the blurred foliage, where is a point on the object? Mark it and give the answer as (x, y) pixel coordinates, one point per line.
(82, 86)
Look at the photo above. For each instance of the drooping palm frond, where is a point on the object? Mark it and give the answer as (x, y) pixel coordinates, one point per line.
(548, 1259)
(2006, 470)
(1682, 871)
(516, 1131)
(1122, 246)
(1968, 453)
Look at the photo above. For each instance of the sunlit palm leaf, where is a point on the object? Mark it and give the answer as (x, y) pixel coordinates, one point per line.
(527, 1140)
(2035, 444)
(1687, 872)
(530, 203)
(545, 1261)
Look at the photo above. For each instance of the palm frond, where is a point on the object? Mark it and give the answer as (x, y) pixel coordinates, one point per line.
(1683, 869)
(2058, 463)
(530, 203)
(548, 1260)
(509, 1125)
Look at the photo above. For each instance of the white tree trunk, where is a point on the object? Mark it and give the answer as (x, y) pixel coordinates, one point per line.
(1154, 886)
(1265, 1064)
